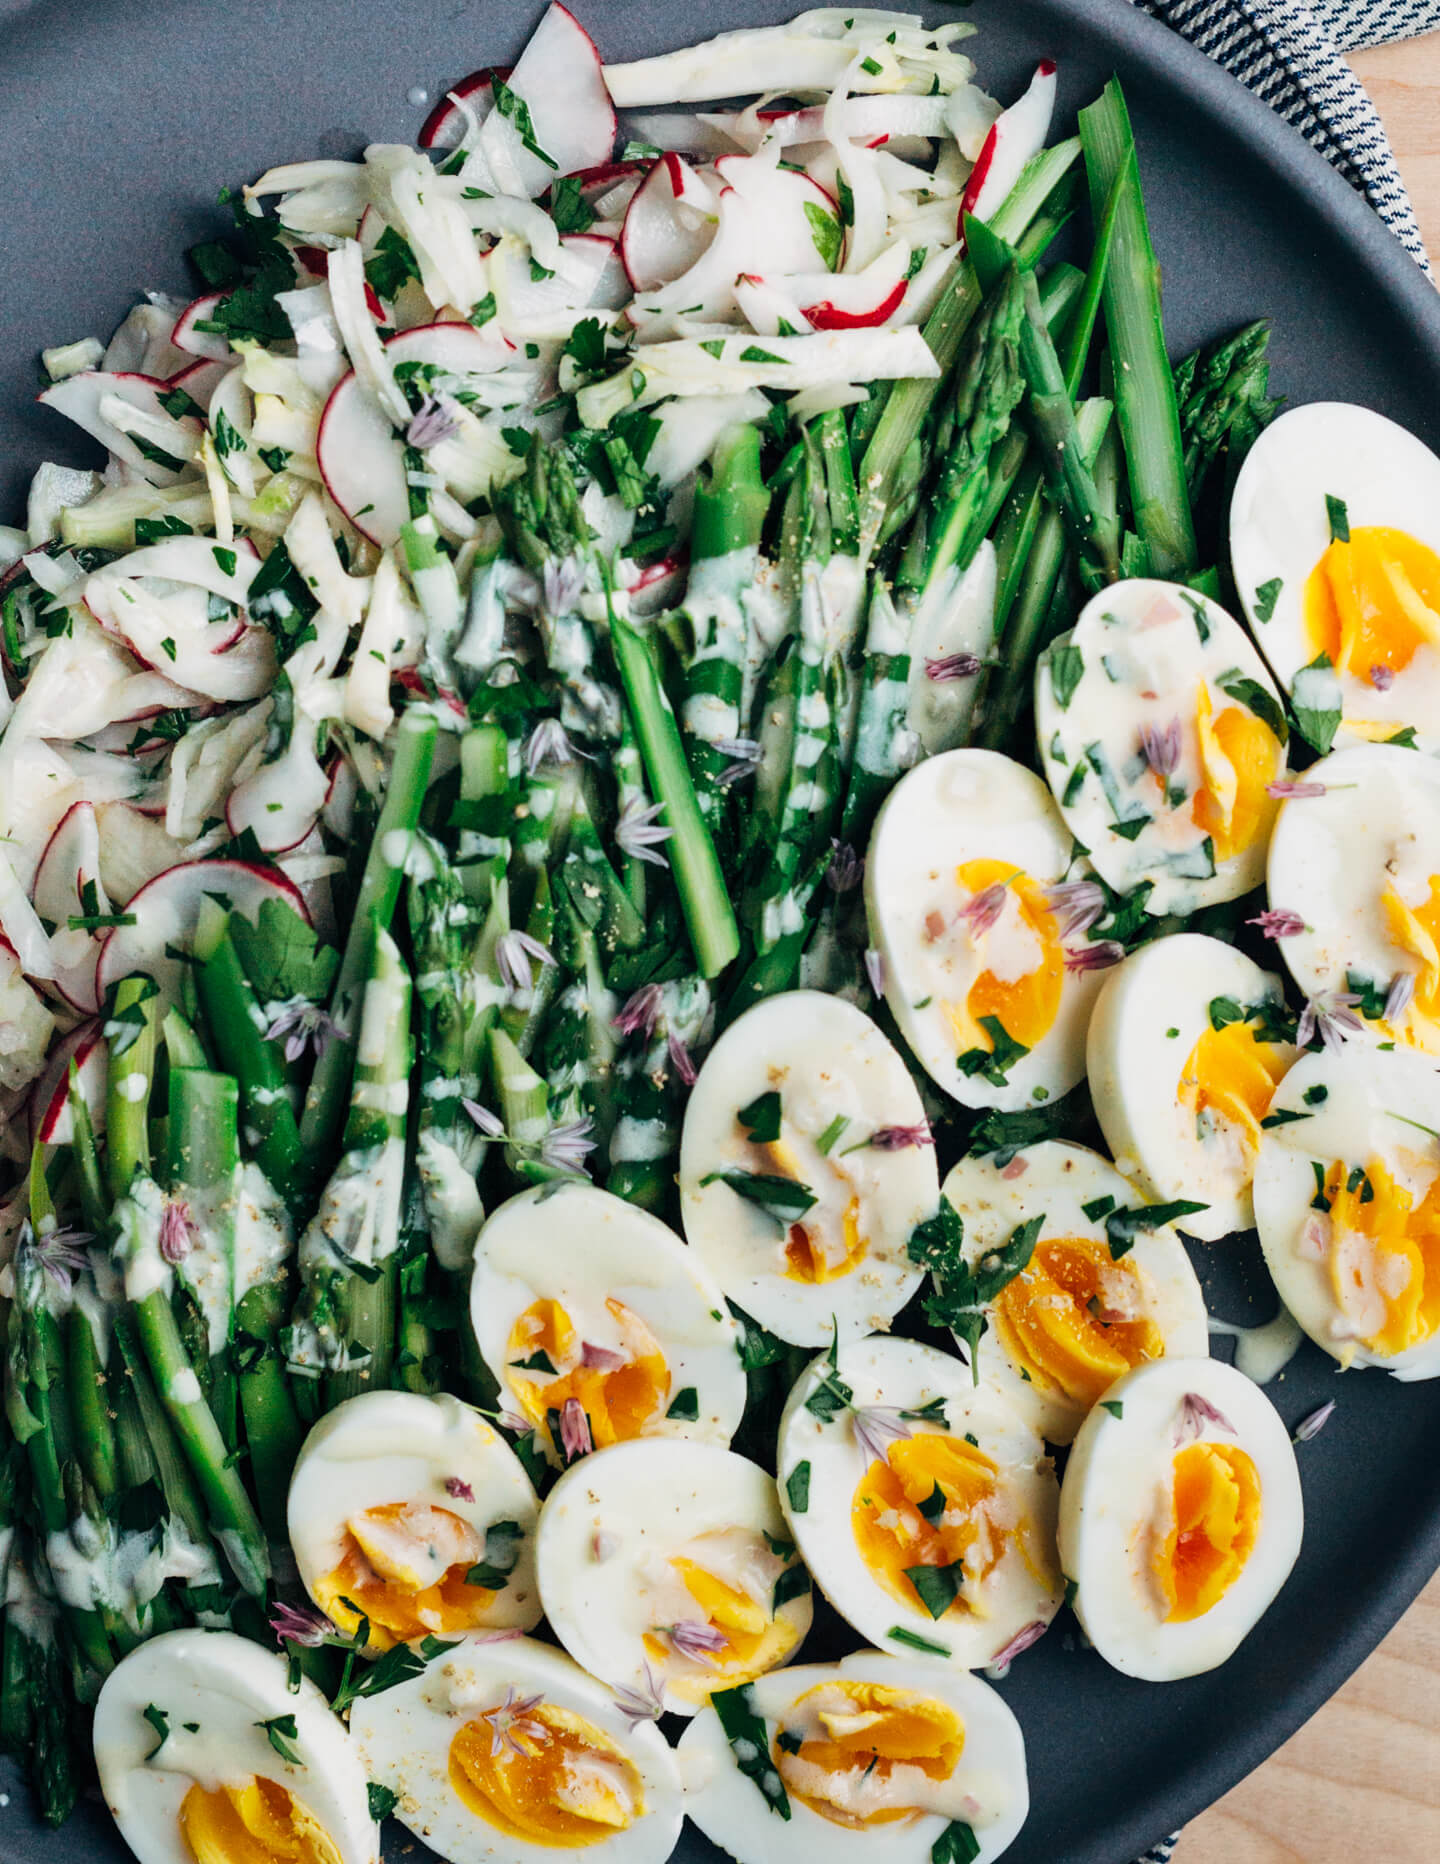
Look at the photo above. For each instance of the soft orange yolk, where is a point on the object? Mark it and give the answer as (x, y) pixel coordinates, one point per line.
(619, 1402)
(1374, 601)
(899, 1521)
(1416, 931)
(755, 1640)
(1384, 1257)
(258, 1823)
(1075, 1319)
(1239, 755)
(1026, 1005)
(1232, 1073)
(549, 1778)
(891, 1738)
(1214, 1512)
(826, 1243)
(404, 1568)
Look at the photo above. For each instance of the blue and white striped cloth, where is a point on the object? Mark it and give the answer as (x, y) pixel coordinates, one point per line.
(1289, 53)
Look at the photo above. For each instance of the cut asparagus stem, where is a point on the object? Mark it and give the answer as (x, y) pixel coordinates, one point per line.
(204, 1149)
(132, 1067)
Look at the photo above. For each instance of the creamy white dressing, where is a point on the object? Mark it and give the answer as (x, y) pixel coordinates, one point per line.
(452, 1202)
(1262, 1353)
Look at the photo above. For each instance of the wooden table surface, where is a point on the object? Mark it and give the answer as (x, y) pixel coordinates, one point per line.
(1361, 1780)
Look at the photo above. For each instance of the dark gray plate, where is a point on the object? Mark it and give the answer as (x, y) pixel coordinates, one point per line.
(119, 121)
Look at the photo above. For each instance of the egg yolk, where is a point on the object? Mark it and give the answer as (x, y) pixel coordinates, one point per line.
(754, 1640)
(1416, 931)
(404, 1568)
(619, 1399)
(1214, 1516)
(817, 1249)
(1373, 602)
(1074, 1319)
(1231, 1073)
(1384, 1256)
(546, 1776)
(867, 1752)
(1239, 755)
(1024, 962)
(934, 1501)
(257, 1823)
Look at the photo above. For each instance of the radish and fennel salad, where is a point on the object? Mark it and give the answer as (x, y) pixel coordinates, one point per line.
(631, 687)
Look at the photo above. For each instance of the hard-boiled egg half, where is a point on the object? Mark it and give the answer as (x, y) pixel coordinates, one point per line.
(1347, 1201)
(1354, 882)
(922, 1505)
(600, 1324)
(416, 1512)
(1180, 1517)
(903, 1758)
(666, 1569)
(959, 894)
(1184, 1053)
(1074, 1283)
(506, 1752)
(1159, 728)
(205, 1753)
(1334, 535)
(805, 1163)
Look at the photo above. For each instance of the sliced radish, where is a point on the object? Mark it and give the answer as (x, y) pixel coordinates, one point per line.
(769, 308)
(69, 869)
(609, 189)
(159, 607)
(448, 124)
(856, 300)
(671, 219)
(52, 1123)
(560, 79)
(657, 586)
(208, 344)
(88, 398)
(1015, 136)
(167, 909)
(456, 347)
(341, 795)
(200, 380)
(362, 461)
(794, 223)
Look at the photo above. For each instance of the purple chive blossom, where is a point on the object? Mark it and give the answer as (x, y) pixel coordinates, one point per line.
(561, 586)
(431, 423)
(1400, 995)
(876, 1427)
(603, 1546)
(950, 667)
(1195, 1413)
(640, 1012)
(566, 1147)
(681, 1058)
(177, 1231)
(639, 834)
(846, 868)
(901, 1138)
(508, 1722)
(600, 1358)
(1312, 1425)
(1382, 678)
(575, 1438)
(875, 971)
(1332, 1017)
(1097, 957)
(60, 1253)
(646, 1703)
(982, 909)
(1161, 747)
(744, 755)
(301, 1026)
(457, 1490)
(695, 1640)
(513, 952)
(550, 743)
(516, 1425)
(1022, 1640)
(1276, 922)
(1289, 789)
(1077, 904)
(490, 1124)
(300, 1624)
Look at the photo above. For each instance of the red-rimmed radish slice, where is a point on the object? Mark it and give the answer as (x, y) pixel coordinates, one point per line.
(281, 802)
(769, 307)
(609, 189)
(454, 346)
(671, 219)
(657, 585)
(341, 795)
(855, 300)
(1015, 136)
(169, 630)
(448, 124)
(166, 910)
(559, 78)
(208, 344)
(795, 223)
(51, 1121)
(200, 380)
(68, 869)
(85, 399)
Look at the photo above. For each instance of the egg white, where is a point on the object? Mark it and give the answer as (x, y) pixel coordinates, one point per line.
(828, 1062)
(1056, 1179)
(1350, 1115)
(1153, 1009)
(608, 1531)
(1144, 659)
(403, 1737)
(959, 807)
(989, 1789)
(1117, 1485)
(903, 1376)
(226, 1686)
